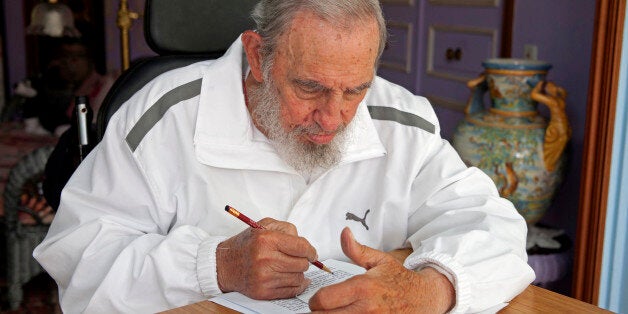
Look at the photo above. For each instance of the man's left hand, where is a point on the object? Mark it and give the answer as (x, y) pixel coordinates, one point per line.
(386, 286)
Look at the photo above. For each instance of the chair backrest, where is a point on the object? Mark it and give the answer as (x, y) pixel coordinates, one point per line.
(182, 32)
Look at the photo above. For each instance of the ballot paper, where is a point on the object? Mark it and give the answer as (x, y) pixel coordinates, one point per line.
(299, 304)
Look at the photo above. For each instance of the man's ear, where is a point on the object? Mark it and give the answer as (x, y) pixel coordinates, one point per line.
(252, 43)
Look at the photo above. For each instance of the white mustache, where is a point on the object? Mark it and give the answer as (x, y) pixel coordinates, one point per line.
(316, 129)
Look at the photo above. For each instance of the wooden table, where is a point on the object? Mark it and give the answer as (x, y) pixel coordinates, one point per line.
(531, 300)
(539, 300)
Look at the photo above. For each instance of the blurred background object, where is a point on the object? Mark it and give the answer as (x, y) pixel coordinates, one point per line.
(52, 19)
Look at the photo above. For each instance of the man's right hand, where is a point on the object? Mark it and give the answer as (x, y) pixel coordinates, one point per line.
(265, 263)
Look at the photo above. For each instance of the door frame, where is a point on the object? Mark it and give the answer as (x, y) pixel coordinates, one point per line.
(598, 145)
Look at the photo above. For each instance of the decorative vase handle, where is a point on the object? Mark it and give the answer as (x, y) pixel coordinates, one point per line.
(558, 131)
(478, 87)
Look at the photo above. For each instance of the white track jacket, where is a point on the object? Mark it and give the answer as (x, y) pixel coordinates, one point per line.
(140, 219)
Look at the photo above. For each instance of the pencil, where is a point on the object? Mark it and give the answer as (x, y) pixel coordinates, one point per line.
(254, 224)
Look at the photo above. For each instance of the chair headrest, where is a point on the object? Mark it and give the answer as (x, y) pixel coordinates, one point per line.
(195, 26)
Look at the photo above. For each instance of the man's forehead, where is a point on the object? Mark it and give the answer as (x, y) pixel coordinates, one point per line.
(312, 39)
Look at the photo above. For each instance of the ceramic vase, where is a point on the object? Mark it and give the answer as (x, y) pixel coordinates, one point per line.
(510, 141)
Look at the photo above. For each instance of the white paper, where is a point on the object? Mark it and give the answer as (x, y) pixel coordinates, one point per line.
(299, 304)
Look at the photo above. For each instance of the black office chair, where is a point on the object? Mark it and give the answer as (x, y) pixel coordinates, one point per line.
(182, 32)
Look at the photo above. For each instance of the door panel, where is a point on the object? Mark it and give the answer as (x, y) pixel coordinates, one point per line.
(400, 58)
(472, 31)
(448, 42)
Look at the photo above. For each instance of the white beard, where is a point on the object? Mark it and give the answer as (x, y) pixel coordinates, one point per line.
(303, 156)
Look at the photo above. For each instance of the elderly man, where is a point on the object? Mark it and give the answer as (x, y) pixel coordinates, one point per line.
(303, 136)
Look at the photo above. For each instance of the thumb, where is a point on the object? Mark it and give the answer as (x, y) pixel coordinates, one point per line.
(360, 254)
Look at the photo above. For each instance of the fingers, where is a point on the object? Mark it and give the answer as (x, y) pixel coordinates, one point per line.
(400, 254)
(361, 254)
(40, 205)
(265, 263)
(286, 240)
(296, 246)
(335, 296)
(282, 263)
(281, 226)
(47, 215)
(274, 275)
(355, 294)
(280, 288)
(288, 292)
(31, 202)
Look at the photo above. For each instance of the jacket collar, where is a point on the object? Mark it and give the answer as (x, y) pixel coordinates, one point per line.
(225, 136)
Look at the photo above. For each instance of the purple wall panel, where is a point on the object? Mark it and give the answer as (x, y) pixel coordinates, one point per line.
(472, 45)
(563, 32)
(137, 45)
(402, 14)
(466, 27)
(449, 119)
(14, 42)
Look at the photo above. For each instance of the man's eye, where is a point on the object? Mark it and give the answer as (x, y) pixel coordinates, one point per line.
(310, 89)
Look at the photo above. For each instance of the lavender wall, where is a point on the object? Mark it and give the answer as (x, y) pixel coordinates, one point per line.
(137, 44)
(404, 14)
(14, 42)
(566, 43)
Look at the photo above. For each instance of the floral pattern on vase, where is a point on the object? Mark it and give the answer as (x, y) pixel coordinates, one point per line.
(510, 141)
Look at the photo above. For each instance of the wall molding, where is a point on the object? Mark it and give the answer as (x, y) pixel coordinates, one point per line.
(405, 65)
(431, 42)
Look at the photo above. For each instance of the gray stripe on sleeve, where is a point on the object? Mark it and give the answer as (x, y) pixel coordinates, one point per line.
(405, 118)
(159, 108)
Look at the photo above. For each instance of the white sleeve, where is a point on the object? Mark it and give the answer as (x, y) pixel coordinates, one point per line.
(462, 226)
(110, 247)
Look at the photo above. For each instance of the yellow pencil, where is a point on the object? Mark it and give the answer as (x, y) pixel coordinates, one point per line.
(254, 224)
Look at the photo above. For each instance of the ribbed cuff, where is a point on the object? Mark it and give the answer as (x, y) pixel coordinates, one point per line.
(451, 269)
(206, 266)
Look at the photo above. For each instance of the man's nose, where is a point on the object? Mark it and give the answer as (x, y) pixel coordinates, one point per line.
(328, 115)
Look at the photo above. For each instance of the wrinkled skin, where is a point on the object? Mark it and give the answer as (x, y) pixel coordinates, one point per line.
(265, 263)
(386, 287)
(315, 85)
(269, 264)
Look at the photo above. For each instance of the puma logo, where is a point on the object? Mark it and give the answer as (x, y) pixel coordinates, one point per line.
(351, 216)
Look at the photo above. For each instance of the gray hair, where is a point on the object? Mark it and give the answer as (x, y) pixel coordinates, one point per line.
(273, 17)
